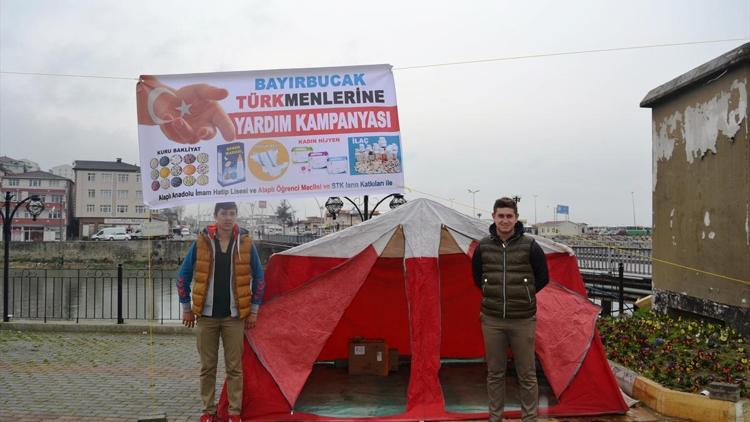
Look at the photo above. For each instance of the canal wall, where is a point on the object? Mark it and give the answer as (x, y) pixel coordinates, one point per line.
(105, 254)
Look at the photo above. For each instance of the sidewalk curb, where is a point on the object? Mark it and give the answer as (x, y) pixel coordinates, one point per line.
(140, 327)
(678, 404)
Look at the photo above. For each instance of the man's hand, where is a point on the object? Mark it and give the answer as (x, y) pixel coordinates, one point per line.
(188, 319)
(200, 112)
(250, 321)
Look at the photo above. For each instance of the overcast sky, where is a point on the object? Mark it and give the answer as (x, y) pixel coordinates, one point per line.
(565, 129)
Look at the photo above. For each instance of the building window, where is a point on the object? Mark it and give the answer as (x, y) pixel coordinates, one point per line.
(91, 177)
(138, 177)
(122, 194)
(35, 183)
(105, 193)
(121, 177)
(122, 209)
(92, 193)
(12, 182)
(139, 194)
(107, 177)
(90, 208)
(57, 199)
(105, 209)
(140, 209)
(54, 183)
(54, 213)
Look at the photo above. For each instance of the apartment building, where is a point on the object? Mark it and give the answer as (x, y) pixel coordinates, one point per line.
(107, 194)
(54, 191)
(64, 170)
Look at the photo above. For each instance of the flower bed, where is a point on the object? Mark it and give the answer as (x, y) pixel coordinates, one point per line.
(678, 353)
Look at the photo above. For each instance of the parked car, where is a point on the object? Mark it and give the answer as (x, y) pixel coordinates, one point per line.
(111, 233)
(138, 234)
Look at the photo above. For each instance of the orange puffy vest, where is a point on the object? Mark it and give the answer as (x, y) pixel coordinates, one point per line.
(241, 273)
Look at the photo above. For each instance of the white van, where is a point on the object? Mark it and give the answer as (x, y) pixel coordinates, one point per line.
(111, 233)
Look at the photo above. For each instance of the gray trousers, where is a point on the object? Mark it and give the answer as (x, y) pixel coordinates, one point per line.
(519, 334)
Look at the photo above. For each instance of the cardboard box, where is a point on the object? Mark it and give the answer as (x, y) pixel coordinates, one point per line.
(368, 357)
(392, 360)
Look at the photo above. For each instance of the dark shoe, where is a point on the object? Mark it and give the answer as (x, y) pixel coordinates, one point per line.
(207, 417)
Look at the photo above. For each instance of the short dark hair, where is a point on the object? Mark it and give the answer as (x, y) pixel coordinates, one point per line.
(224, 206)
(505, 202)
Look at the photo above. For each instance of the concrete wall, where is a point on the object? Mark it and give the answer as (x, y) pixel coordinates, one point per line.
(92, 254)
(701, 194)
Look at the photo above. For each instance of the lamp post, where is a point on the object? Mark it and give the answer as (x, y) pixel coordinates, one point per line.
(334, 204)
(34, 206)
(473, 202)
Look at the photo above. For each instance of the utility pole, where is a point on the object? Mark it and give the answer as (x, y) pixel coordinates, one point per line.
(632, 197)
(535, 209)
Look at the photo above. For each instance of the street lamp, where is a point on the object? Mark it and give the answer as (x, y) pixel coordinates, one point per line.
(34, 206)
(473, 202)
(396, 202)
(334, 204)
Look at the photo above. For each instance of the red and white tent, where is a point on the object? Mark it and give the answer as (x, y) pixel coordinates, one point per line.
(405, 276)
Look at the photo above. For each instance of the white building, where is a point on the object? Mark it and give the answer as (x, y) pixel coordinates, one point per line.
(64, 170)
(107, 194)
(13, 166)
(561, 228)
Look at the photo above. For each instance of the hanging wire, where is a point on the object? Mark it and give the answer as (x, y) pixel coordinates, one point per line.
(456, 63)
(68, 75)
(567, 53)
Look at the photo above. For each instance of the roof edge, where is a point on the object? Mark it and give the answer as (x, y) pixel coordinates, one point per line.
(722, 63)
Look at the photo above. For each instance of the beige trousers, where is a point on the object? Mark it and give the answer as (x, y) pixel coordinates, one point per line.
(519, 334)
(231, 331)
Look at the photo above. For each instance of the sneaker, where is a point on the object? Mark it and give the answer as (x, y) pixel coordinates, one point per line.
(207, 417)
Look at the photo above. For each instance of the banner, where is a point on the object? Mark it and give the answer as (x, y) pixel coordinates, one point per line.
(562, 209)
(278, 133)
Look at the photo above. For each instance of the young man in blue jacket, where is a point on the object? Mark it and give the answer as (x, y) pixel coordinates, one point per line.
(223, 277)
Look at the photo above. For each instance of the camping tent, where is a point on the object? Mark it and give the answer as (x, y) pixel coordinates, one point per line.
(406, 276)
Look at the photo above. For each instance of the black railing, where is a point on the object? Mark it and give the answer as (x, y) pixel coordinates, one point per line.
(74, 294)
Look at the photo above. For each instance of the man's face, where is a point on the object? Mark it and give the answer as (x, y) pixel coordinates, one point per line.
(225, 218)
(505, 221)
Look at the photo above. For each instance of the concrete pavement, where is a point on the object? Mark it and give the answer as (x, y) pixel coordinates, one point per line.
(94, 374)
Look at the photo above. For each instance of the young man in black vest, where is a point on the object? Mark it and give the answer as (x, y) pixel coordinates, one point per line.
(511, 269)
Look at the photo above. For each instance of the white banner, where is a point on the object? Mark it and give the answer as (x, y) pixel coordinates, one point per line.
(278, 133)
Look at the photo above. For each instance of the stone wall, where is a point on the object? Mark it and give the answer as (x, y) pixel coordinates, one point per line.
(93, 254)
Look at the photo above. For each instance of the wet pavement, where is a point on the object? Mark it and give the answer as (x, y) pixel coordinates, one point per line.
(105, 376)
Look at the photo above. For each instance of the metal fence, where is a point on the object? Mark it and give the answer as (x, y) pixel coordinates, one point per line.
(75, 294)
(140, 294)
(606, 259)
